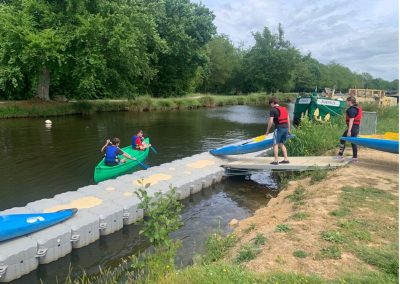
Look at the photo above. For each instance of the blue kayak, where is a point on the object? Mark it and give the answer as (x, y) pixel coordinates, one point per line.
(16, 225)
(391, 146)
(249, 146)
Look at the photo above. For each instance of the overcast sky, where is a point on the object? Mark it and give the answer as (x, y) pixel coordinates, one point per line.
(360, 34)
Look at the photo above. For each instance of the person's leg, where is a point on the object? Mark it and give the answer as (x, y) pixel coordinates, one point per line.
(284, 152)
(276, 151)
(354, 133)
(275, 146)
(342, 145)
(282, 139)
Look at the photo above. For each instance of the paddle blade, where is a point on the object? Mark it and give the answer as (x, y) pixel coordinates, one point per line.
(154, 150)
(143, 165)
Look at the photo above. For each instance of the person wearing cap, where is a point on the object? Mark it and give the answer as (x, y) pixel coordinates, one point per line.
(112, 151)
(138, 142)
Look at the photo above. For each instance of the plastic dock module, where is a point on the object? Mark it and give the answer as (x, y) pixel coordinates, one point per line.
(52, 243)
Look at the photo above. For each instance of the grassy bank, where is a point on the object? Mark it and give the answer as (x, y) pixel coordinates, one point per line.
(143, 103)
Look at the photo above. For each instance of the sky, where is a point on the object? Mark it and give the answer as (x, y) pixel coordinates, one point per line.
(360, 34)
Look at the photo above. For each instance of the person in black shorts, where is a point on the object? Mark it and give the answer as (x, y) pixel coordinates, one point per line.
(353, 121)
(279, 116)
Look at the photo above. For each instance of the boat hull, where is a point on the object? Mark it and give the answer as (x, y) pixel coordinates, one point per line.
(385, 145)
(249, 146)
(104, 172)
(16, 225)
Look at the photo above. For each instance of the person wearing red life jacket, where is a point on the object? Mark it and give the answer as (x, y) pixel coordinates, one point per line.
(279, 116)
(138, 142)
(353, 121)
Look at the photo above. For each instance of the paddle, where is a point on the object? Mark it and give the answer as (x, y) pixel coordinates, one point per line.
(143, 165)
(154, 150)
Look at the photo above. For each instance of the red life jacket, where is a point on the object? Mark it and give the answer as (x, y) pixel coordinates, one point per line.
(283, 115)
(357, 118)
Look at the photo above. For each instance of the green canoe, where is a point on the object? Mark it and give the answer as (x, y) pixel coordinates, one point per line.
(103, 172)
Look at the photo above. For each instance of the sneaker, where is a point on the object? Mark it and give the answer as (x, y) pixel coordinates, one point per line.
(284, 162)
(274, 163)
(339, 158)
(354, 160)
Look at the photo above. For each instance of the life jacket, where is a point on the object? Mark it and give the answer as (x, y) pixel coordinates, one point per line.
(283, 115)
(134, 145)
(111, 154)
(357, 118)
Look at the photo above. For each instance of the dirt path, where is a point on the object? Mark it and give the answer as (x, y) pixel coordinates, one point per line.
(375, 170)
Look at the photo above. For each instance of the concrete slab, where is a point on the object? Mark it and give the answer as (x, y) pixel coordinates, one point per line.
(296, 163)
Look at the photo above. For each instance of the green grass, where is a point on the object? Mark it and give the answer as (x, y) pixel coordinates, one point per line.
(217, 246)
(300, 254)
(260, 239)
(330, 252)
(300, 216)
(246, 253)
(282, 228)
(332, 237)
(318, 175)
(250, 228)
(220, 273)
(368, 227)
(298, 196)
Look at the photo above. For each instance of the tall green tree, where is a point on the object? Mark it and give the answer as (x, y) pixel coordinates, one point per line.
(224, 61)
(186, 28)
(270, 62)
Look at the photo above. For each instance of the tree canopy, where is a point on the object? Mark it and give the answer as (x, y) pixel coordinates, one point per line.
(90, 49)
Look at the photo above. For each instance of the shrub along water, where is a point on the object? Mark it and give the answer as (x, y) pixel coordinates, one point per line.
(139, 104)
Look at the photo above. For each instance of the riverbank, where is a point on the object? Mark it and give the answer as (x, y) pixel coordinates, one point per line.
(330, 227)
(17, 109)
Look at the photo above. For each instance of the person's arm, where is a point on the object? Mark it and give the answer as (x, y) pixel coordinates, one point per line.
(128, 156)
(351, 121)
(105, 145)
(288, 123)
(270, 122)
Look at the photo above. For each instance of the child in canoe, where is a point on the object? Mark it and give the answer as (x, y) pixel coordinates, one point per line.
(111, 151)
(138, 142)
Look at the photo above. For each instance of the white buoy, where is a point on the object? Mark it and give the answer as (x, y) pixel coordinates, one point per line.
(48, 122)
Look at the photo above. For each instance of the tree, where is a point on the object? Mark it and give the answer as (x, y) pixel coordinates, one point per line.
(82, 49)
(186, 28)
(270, 62)
(224, 62)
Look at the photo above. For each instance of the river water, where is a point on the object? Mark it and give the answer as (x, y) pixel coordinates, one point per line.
(39, 162)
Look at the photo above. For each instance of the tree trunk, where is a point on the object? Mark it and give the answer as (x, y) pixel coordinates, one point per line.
(44, 84)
